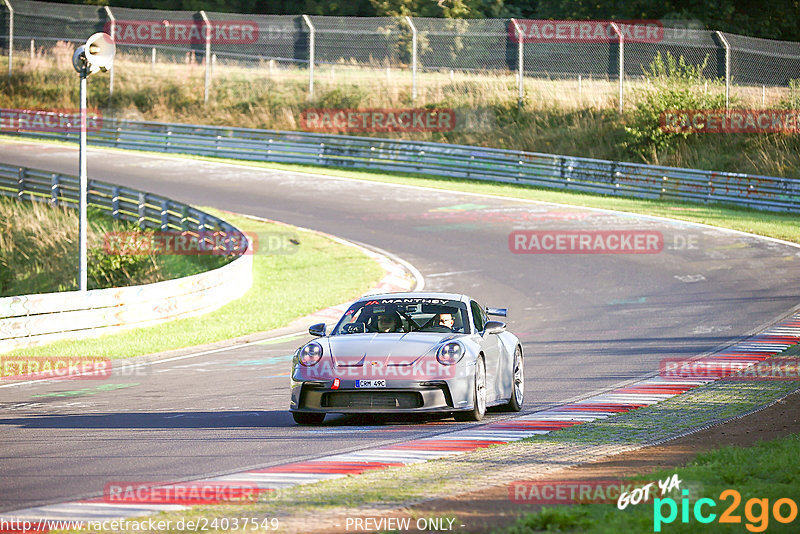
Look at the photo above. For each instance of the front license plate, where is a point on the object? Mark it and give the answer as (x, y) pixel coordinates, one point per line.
(370, 383)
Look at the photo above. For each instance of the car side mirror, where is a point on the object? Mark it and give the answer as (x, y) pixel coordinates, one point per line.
(494, 327)
(317, 330)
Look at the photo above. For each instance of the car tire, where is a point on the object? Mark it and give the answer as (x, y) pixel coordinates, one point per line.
(308, 418)
(478, 395)
(518, 383)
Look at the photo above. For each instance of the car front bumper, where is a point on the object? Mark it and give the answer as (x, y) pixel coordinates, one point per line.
(399, 396)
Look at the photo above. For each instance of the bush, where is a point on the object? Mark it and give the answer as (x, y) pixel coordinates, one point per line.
(673, 85)
(116, 270)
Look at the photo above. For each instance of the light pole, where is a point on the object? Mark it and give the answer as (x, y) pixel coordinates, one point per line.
(96, 55)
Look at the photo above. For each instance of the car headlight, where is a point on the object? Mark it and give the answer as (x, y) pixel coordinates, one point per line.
(450, 353)
(310, 354)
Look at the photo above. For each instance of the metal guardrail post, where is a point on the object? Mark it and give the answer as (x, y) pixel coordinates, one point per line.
(201, 228)
(207, 58)
(21, 183)
(164, 215)
(520, 59)
(413, 58)
(727, 47)
(113, 28)
(10, 35)
(55, 189)
(621, 64)
(311, 47)
(142, 210)
(115, 202)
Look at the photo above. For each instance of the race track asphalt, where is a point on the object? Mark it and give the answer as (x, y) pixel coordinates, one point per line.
(587, 322)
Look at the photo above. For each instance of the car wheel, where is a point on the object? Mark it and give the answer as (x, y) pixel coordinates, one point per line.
(478, 395)
(308, 418)
(518, 384)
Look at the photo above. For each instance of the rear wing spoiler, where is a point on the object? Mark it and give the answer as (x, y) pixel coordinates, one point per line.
(500, 312)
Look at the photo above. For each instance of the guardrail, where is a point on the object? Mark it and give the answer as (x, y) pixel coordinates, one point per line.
(27, 320)
(440, 159)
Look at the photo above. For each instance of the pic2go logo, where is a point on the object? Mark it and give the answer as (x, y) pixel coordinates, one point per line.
(756, 511)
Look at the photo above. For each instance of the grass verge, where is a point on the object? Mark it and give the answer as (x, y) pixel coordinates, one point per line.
(285, 286)
(39, 252)
(766, 471)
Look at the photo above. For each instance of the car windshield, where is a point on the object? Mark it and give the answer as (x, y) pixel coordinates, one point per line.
(393, 315)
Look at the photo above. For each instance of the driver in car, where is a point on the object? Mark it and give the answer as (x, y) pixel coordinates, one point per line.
(446, 319)
(389, 323)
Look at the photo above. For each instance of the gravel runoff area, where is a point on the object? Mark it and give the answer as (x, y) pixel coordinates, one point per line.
(476, 484)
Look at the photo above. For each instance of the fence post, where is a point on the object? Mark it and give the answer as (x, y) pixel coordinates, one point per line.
(727, 47)
(201, 229)
(311, 46)
(55, 189)
(21, 183)
(113, 28)
(164, 215)
(413, 58)
(208, 55)
(520, 60)
(142, 211)
(10, 35)
(115, 202)
(153, 61)
(621, 64)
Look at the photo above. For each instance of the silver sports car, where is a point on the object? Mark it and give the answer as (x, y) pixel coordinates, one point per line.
(409, 353)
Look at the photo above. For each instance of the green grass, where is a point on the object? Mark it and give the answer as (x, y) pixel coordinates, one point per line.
(768, 470)
(39, 252)
(285, 286)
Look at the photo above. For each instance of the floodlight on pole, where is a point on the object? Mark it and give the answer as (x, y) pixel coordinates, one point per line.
(95, 56)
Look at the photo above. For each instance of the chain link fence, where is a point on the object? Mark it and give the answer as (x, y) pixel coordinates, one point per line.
(408, 53)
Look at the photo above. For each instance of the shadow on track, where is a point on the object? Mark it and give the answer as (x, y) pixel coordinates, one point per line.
(199, 420)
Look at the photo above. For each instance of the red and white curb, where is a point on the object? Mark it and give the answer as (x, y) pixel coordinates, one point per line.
(749, 352)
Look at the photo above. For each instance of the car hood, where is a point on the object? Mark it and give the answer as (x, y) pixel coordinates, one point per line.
(356, 350)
